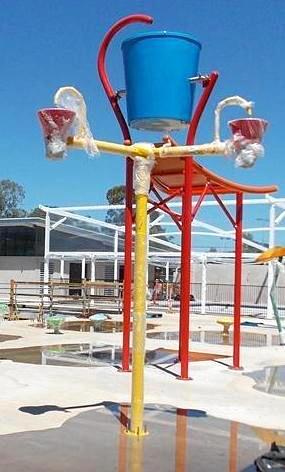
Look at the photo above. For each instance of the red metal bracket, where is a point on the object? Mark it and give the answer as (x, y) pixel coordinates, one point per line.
(200, 200)
(162, 205)
(222, 205)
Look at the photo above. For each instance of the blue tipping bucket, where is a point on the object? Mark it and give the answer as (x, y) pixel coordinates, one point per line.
(158, 66)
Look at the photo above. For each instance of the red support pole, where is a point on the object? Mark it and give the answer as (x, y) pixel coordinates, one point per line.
(238, 271)
(185, 269)
(127, 293)
(186, 231)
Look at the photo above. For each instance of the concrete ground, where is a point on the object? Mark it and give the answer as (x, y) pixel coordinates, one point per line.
(94, 440)
(215, 389)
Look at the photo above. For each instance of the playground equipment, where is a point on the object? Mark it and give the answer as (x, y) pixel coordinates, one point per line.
(226, 324)
(160, 97)
(276, 255)
(154, 103)
(55, 323)
(56, 124)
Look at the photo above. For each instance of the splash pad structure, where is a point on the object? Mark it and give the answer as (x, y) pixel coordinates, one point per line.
(160, 97)
(275, 254)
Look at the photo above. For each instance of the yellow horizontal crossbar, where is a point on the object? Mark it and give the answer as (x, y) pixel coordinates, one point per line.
(111, 148)
(144, 150)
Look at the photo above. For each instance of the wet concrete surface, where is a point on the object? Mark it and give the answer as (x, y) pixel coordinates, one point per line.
(95, 440)
(269, 380)
(217, 337)
(8, 337)
(92, 355)
(33, 355)
(108, 326)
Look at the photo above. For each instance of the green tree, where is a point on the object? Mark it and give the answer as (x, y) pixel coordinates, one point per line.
(116, 196)
(11, 197)
(247, 247)
(37, 212)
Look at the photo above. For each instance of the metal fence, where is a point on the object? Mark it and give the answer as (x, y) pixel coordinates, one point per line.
(219, 298)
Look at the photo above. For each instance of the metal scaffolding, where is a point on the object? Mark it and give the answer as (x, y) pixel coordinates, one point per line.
(168, 255)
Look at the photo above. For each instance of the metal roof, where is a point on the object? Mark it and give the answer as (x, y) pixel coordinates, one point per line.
(168, 175)
(91, 234)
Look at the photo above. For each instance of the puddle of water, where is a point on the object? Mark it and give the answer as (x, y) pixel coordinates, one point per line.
(108, 326)
(179, 440)
(92, 355)
(217, 337)
(29, 355)
(73, 355)
(269, 380)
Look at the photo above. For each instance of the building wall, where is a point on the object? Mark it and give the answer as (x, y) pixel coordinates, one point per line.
(24, 269)
(28, 269)
(224, 274)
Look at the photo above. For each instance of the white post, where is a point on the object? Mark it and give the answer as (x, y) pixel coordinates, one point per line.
(83, 268)
(204, 285)
(116, 262)
(93, 269)
(93, 274)
(167, 279)
(272, 214)
(167, 272)
(62, 268)
(116, 245)
(175, 275)
(46, 253)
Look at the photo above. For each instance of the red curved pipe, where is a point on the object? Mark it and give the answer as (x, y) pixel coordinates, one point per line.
(101, 66)
(113, 99)
(209, 84)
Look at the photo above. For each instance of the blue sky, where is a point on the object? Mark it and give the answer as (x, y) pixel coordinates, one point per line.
(48, 44)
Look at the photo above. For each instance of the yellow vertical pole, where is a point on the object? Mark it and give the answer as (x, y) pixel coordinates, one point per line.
(139, 317)
(142, 170)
